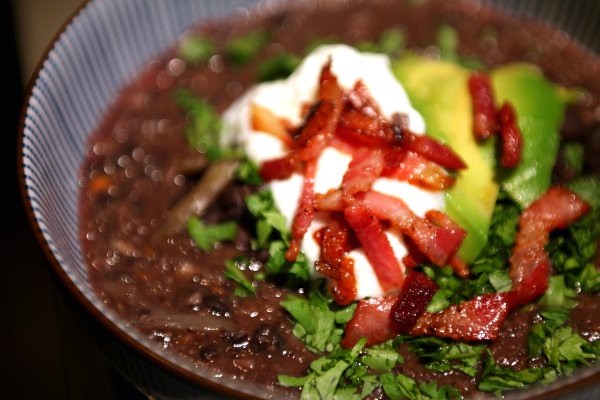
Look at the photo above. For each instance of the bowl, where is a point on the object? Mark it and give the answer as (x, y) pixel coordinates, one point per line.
(101, 48)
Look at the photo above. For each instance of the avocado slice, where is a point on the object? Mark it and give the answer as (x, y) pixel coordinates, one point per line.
(439, 91)
(540, 107)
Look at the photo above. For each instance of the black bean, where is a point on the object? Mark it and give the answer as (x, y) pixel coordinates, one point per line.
(208, 353)
(265, 339)
(215, 305)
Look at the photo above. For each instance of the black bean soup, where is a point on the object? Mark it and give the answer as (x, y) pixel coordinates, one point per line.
(139, 164)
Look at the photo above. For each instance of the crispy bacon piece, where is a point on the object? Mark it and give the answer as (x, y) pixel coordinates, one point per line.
(442, 219)
(510, 137)
(530, 263)
(417, 292)
(279, 168)
(417, 170)
(439, 244)
(371, 320)
(304, 213)
(324, 115)
(336, 241)
(477, 319)
(377, 248)
(365, 168)
(430, 148)
(485, 123)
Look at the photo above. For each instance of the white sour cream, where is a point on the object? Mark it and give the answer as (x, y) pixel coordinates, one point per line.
(285, 99)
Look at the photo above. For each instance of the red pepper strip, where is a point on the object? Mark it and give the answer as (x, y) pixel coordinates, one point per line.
(377, 248)
(365, 168)
(304, 213)
(439, 244)
(417, 170)
(417, 292)
(510, 136)
(335, 241)
(530, 263)
(371, 320)
(485, 122)
(431, 149)
(477, 319)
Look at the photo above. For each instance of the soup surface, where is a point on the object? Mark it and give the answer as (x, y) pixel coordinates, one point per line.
(140, 166)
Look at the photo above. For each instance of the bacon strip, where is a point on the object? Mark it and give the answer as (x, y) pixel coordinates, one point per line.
(417, 292)
(510, 136)
(485, 122)
(371, 320)
(477, 319)
(335, 240)
(439, 244)
(304, 213)
(431, 149)
(530, 263)
(377, 248)
(365, 168)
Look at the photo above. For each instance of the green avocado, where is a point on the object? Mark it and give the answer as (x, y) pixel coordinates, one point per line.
(540, 107)
(439, 91)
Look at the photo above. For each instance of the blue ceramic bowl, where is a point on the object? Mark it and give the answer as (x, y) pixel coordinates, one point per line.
(99, 50)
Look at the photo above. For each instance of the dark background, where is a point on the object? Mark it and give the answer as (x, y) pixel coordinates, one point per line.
(45, 351)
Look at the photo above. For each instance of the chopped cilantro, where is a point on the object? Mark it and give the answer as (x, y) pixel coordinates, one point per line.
(277, 67)
(248, 173)
(558, 294)
(495, 378)
(443, 356)
(562, 347)
(272, 234)
(391, 42)
(242, 49)
(203, 130)
(447, 42)
(381, 358)
(196, 48)
(399, 387)
(329, 376)
(572, 154)
(317, 325)
(233, 271)
(206, 236)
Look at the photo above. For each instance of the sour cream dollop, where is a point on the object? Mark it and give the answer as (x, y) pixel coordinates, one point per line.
(285, 99)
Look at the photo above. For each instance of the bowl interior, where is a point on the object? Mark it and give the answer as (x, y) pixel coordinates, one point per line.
(100, 50)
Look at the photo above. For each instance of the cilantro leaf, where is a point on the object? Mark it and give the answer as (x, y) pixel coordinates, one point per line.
(242, 49)
(399, 387)
(233, 271)
(317, 325)
(495, 378)
(443, 356)
(206, 236)
(204, 127)
(196, 48)
(278, 67)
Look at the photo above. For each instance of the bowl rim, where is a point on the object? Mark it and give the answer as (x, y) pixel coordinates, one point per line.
(584, 378)
(124, 338)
